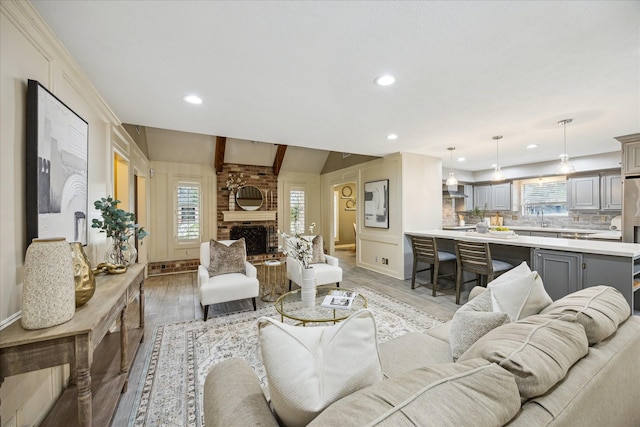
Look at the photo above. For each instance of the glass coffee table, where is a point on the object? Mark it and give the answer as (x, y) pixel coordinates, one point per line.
(291, 306)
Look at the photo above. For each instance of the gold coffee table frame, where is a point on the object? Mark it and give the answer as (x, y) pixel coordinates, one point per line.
(291, 302)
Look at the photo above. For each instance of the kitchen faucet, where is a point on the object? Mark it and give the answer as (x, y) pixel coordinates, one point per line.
(541, 213)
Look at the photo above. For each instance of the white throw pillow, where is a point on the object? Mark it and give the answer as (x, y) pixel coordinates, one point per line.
(519, 294)
(310, 368)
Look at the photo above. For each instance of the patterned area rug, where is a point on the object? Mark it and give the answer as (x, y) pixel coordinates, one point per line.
(183, 353)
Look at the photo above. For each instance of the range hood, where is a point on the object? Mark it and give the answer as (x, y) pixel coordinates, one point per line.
(455, 193)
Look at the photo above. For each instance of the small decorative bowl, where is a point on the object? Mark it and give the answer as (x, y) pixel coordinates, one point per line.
(482, 227)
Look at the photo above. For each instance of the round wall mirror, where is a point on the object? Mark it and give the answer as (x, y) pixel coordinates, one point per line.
(249, 198)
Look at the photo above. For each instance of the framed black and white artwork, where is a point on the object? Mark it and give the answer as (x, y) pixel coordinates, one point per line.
(56, 167)
(376, 204)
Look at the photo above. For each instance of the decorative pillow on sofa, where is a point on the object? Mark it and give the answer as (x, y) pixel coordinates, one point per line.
(467, 327)
(472, 321)
(318, 250)
(480, 303)
(225, 259)
(519, 292)
(538, 350)
(600, 309)
(451, 394)
(310, 368)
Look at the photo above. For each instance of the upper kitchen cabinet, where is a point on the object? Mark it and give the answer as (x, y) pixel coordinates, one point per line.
(501, 197)
(482, 196)
(611, 186)
(583, 193)
(467, 202)
(495, 197)
(630, 153)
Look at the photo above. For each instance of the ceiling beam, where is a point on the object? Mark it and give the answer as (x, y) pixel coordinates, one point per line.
(277, 162)
(221, 143)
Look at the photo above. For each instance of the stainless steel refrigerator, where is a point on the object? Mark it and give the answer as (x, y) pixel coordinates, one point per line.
(631, 209)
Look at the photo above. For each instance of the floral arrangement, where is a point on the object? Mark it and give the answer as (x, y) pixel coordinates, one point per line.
(234, 182)
(117, 224)
(299, 248)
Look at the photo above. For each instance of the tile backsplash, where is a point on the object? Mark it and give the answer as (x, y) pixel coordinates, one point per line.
(589, 220)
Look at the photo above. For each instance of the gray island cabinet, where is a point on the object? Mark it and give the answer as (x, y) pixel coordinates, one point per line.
(565, 265)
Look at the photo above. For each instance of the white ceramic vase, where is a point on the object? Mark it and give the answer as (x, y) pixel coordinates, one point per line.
(308, 287)
(232, 201)
(48, 292)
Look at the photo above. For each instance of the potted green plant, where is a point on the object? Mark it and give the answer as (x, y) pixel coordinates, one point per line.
(119, 225)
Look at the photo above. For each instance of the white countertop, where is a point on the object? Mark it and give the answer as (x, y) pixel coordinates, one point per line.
(534, 228)
(568, 245)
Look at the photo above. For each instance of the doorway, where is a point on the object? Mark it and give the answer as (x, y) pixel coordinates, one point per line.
(344, 216)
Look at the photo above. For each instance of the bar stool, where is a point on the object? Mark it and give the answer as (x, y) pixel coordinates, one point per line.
(425, 249)
(476, 257)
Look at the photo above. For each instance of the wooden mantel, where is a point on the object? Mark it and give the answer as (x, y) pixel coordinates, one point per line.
(238, 216)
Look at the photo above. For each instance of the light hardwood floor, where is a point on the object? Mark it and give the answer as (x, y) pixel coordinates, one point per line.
(173, 298)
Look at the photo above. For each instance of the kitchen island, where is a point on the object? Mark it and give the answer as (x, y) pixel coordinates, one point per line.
(565, 265)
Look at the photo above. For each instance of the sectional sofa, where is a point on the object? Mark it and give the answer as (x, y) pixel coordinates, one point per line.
(577, 362)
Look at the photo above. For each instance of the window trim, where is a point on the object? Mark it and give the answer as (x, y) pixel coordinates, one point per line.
(546, 180)
(176, 215)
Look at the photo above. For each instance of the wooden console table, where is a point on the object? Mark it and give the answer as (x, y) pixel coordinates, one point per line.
(95, 384)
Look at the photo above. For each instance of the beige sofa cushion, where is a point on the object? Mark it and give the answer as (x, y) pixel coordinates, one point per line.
(222, 407)
(411, 351)
(538, 350)
(473, 393)
(600, 309)
(310, 368)
(600, 389)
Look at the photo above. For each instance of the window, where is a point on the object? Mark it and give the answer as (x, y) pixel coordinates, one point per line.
(544, 197)
(297, 212)
(188, 212)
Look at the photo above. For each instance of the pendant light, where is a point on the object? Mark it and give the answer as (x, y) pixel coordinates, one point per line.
(565, 168)
(452, 182)
(497, 173)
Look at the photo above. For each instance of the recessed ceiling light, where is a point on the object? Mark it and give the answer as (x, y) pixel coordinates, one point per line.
(494, 165)
(461, 159)
(192, 99)
(386, 80)
(392, 136)
(530, 146)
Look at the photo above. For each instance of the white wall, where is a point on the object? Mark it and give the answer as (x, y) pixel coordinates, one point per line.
(311, 184)
(163, 245)
(422, 199)
(30, 51)
(415, 202)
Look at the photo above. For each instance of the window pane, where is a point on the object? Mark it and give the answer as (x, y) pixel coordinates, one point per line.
(188, 212)
(548, 198)
(297, 214)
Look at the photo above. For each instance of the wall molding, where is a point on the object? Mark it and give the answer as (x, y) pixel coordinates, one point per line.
(9, 320)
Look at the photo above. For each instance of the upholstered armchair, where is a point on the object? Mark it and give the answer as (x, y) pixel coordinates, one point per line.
(325, 267)
(226, 286)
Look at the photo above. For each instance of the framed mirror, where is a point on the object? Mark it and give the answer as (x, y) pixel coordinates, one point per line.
(249, 198)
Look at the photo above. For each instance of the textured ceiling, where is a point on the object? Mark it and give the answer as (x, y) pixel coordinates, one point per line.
(301, 73)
